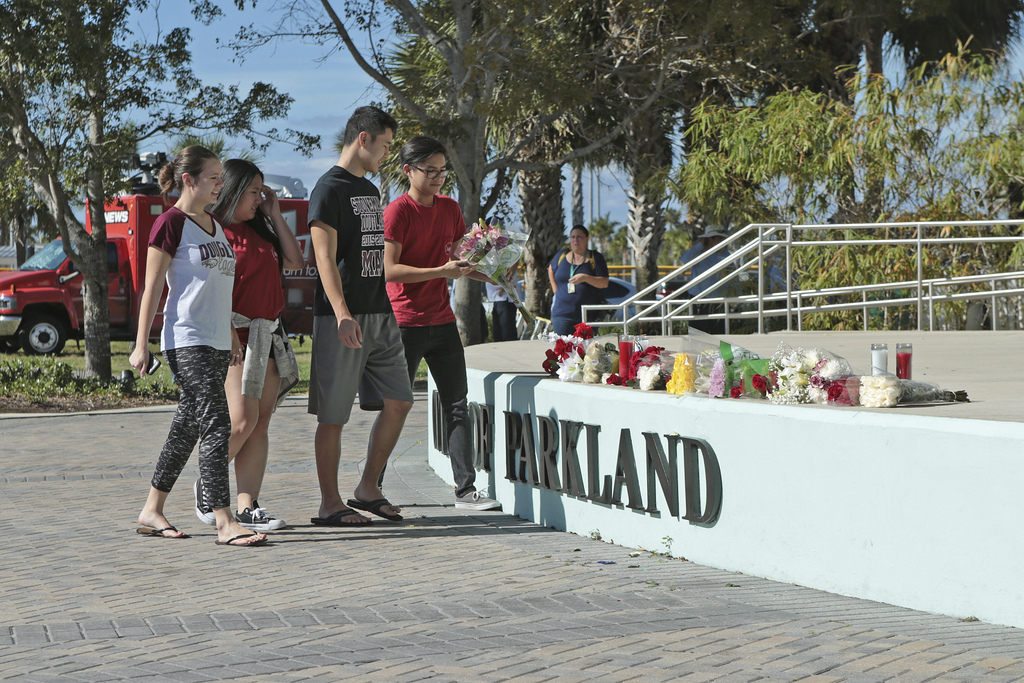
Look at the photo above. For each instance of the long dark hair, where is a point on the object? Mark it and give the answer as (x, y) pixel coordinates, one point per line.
(238, 175)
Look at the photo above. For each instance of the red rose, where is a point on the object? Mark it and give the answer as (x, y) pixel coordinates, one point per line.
(835, 392)
(615, 379)
(760, 383)
(583, 331)
(735, 392)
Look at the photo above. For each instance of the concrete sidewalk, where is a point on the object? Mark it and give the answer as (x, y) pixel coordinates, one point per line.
(445, 595)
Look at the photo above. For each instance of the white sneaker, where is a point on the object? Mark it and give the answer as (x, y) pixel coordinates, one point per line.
(257, 519)
(203, 511)
(477, 500)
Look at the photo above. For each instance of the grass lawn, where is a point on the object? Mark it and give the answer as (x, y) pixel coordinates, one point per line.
(74, 355)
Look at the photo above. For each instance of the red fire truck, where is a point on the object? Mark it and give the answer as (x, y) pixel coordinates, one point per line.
(41, 302)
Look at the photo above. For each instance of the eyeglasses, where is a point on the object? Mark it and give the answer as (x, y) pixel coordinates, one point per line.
(431, 175)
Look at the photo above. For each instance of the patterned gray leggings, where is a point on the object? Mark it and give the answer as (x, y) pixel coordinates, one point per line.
(202, 416)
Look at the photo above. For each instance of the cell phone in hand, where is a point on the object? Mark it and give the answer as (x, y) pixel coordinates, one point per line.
(154, 363)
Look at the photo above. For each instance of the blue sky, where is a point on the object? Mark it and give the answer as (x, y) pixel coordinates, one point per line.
(325, 93)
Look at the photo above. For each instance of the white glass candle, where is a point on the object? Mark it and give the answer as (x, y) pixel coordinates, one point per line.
(879, 359)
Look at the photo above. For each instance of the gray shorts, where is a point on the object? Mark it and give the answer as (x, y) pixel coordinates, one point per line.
(336, 371)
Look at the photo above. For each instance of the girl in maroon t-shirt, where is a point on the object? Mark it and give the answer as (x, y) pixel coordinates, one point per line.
(248, 209)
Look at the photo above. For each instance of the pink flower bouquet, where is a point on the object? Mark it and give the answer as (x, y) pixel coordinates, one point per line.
(495, 252)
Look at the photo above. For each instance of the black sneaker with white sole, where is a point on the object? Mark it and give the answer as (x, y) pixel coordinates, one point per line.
(203, 511)
(257, 519)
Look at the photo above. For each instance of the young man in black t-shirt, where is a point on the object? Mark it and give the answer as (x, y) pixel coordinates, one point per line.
(355, 336)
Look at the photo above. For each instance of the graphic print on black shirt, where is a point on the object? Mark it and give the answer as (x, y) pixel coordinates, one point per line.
(350, 205)
(371, 225)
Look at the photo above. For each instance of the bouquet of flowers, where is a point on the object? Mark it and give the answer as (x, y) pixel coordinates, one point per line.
(683, 375)
(649, 368)
(600, 360)
(565, 360)
(720, 368)
(811, 376)
(885, 391)
(495, 252)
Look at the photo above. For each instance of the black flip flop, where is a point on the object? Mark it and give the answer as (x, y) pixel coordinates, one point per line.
(375, 506)
(159, 533)
(231, 542)
(335, 519)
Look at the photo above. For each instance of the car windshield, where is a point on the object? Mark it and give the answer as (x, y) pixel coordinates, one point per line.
(51, 256)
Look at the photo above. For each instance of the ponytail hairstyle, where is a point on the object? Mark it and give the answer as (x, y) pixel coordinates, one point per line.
(189, 160)
(238, 175)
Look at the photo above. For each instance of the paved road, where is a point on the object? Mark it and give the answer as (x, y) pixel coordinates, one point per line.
(445, 595)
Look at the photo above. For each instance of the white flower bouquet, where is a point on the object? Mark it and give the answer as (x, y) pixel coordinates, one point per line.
(886, 391)
(600, 360)
(811, 376)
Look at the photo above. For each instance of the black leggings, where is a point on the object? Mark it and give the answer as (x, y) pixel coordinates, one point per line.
(202, 416)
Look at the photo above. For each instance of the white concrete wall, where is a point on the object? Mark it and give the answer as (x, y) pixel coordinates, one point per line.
(922, 512)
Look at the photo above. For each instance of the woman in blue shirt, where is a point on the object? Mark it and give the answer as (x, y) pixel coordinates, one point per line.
(577, 275)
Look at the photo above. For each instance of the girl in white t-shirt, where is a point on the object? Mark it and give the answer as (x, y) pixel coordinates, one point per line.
(187, 247)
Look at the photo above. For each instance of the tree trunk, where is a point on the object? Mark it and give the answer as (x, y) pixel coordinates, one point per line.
(649, 154)
(577, 194)
(468, 300)
(93, 250)
(540, 193)
(874, 181)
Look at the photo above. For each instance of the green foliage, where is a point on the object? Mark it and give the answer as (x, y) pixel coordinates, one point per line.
(946, 144)
(46, 378)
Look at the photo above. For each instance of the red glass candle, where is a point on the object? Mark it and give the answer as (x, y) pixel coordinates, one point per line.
(904, 360)
(625, 352)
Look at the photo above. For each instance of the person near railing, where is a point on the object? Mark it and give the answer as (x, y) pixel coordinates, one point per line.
(709, 287)
(503, 314)
(577, 276)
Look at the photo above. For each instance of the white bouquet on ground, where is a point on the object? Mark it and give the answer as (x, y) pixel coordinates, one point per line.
(886, 391)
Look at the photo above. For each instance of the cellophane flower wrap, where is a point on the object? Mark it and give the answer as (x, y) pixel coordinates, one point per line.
(600, 360)
(494, 251)
(650, 368)
(565, 359)
(683, 375)
(720, 367)
(886, 391)
(811, 376)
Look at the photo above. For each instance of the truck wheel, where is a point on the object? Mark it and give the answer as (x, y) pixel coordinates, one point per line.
(43, 335)
(9, 345)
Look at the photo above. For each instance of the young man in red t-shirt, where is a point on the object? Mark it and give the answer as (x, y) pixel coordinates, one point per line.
(422, 229)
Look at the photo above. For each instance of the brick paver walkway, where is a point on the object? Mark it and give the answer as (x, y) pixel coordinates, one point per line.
(445, 595)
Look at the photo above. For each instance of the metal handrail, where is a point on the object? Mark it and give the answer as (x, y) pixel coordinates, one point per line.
(749, 250)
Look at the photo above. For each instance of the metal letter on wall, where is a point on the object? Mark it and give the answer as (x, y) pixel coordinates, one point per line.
(513, 444)
(572, 475)
(593, 473)
(483, 435)
(696, 513)
(666, 471)
(625, 473)
(547, 452)
(520, 449)
(437, 417)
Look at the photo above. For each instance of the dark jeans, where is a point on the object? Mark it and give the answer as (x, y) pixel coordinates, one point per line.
(503, 321)
(441, 347)
(563, 325)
